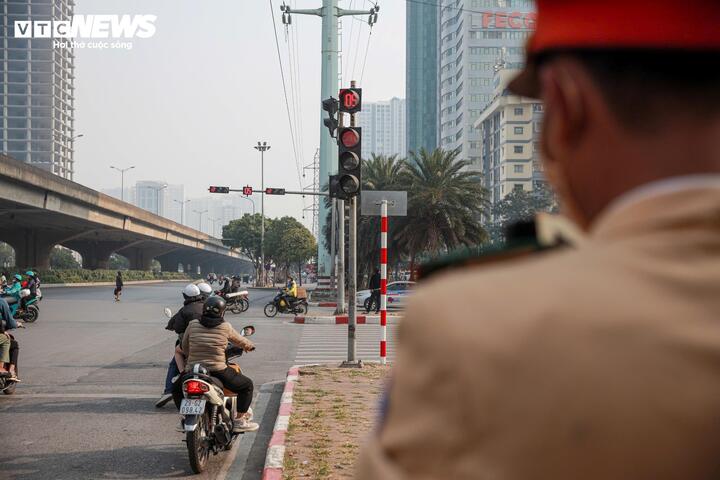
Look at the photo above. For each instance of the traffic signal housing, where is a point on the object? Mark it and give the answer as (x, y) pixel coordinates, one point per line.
(216, 189)
(330, 105)
(274, 191)
(247, 190)
(349, 179)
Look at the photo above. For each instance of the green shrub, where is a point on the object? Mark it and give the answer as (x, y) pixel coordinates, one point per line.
(90, 276)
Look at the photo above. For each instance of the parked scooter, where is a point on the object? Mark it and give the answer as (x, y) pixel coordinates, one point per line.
(280, 304)
(208, 411)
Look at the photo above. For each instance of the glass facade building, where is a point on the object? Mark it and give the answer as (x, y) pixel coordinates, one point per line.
(37, 97)
(383, 128)
(476, 38)
(421, 75)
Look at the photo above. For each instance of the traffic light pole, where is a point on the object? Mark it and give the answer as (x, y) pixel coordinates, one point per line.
(329, 12)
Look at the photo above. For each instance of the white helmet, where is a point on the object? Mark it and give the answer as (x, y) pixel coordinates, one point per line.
(191, 290)
(204, 288)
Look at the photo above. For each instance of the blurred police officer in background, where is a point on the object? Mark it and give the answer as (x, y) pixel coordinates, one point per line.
(601, 361)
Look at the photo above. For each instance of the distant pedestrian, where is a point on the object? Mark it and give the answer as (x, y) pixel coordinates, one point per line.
(118, 286)
(374, 292)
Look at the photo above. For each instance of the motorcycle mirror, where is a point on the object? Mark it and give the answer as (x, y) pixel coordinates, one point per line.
(168, 312)
(248, 331)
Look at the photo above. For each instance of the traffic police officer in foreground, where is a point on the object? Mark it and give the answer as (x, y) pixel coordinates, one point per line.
(601, 361)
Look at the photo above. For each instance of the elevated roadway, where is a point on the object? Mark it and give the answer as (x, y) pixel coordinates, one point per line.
(39, 210)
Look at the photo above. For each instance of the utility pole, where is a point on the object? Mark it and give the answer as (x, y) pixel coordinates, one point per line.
(329, 12)
(262, 148)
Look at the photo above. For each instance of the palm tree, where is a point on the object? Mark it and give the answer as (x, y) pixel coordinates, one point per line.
(379, 173)
(446, 202)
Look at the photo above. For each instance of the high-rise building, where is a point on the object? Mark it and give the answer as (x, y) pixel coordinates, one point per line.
(173, 206)
(421, 75)
(383, 128)
(509, 129)
(477, 37)
(37, 103)
(210, 214)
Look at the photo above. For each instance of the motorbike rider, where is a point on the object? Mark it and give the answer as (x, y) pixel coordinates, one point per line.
(225, 282)
(8, 345)
(191, 310)
(32, 285)
(15, 285)
(205, 290)
(290, 291)
(205, 342)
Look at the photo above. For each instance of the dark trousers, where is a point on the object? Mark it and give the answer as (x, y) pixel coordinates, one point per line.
(172, 371)
(237, 383)
(14, 352)
(375, 297)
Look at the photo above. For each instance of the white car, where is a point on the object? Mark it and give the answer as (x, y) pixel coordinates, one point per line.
(397, 293)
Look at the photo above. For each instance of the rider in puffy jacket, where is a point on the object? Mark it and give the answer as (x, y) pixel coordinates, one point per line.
(205, 342)
(191, 310)
(15, 286)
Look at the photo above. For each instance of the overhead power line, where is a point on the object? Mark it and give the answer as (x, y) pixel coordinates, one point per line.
(287, 103)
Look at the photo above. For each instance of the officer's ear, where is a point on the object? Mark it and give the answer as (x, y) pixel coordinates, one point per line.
(565, 117)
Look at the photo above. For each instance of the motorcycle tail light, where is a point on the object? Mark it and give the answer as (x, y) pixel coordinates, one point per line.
(193, 387)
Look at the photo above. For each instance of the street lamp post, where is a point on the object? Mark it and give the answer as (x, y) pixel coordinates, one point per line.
(214, 230)
(251, 201)
(122, 179)
(157, 198)
(262, 148)
(182, 210)
(201, 214)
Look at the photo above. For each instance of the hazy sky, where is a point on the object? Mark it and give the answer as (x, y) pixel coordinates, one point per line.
(187, 105)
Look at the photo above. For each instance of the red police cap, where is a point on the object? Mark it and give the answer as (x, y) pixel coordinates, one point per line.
(610, 24)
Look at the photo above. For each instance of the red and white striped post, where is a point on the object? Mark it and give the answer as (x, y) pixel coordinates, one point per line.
(383, 279)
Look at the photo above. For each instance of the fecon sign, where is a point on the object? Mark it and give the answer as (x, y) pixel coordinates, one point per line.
(517, 20)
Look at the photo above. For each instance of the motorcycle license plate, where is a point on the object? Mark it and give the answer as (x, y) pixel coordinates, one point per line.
(191, 406)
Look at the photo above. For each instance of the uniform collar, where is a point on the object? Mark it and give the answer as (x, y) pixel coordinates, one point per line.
(691, 199)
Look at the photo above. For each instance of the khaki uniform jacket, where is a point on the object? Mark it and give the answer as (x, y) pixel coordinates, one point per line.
(601, 362)
(207, 345)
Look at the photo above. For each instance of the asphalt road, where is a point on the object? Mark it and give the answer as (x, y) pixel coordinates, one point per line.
(92, 370)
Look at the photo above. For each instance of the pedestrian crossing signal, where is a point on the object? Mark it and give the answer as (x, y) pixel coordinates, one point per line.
(216, 189)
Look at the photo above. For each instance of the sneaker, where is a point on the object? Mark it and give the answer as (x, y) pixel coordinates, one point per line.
(164, 399)
(249, 414)
(243, 425)
(181, 426)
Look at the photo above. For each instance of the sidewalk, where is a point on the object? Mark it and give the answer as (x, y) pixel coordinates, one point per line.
(110, 284)
(324, 416)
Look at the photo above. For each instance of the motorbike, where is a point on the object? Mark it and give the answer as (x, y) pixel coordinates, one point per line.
(280, 305)
(208, 411)
(237, 302)
(31, 312)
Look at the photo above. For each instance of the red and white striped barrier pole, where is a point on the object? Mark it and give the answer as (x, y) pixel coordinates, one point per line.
(383, 280)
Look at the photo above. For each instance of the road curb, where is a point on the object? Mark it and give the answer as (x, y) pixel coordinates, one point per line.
(323, 304)
(344, 319)
(276, 448)
(110, 284)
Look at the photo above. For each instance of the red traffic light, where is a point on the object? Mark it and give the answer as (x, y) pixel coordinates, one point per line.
(275, 191)
(247, 191)
(216, 189)
(349, 137)
(350, 100)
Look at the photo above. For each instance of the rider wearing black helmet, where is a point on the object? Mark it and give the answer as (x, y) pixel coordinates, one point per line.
(205, 341)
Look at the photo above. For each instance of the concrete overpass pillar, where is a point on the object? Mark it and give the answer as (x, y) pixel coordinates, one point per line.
(170, 261)
(95, 254)
(32, 247)
(141, 256)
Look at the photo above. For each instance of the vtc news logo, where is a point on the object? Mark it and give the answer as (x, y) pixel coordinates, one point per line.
(89, 26)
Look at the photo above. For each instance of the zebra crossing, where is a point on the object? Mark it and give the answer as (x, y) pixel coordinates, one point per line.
(328, 343)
